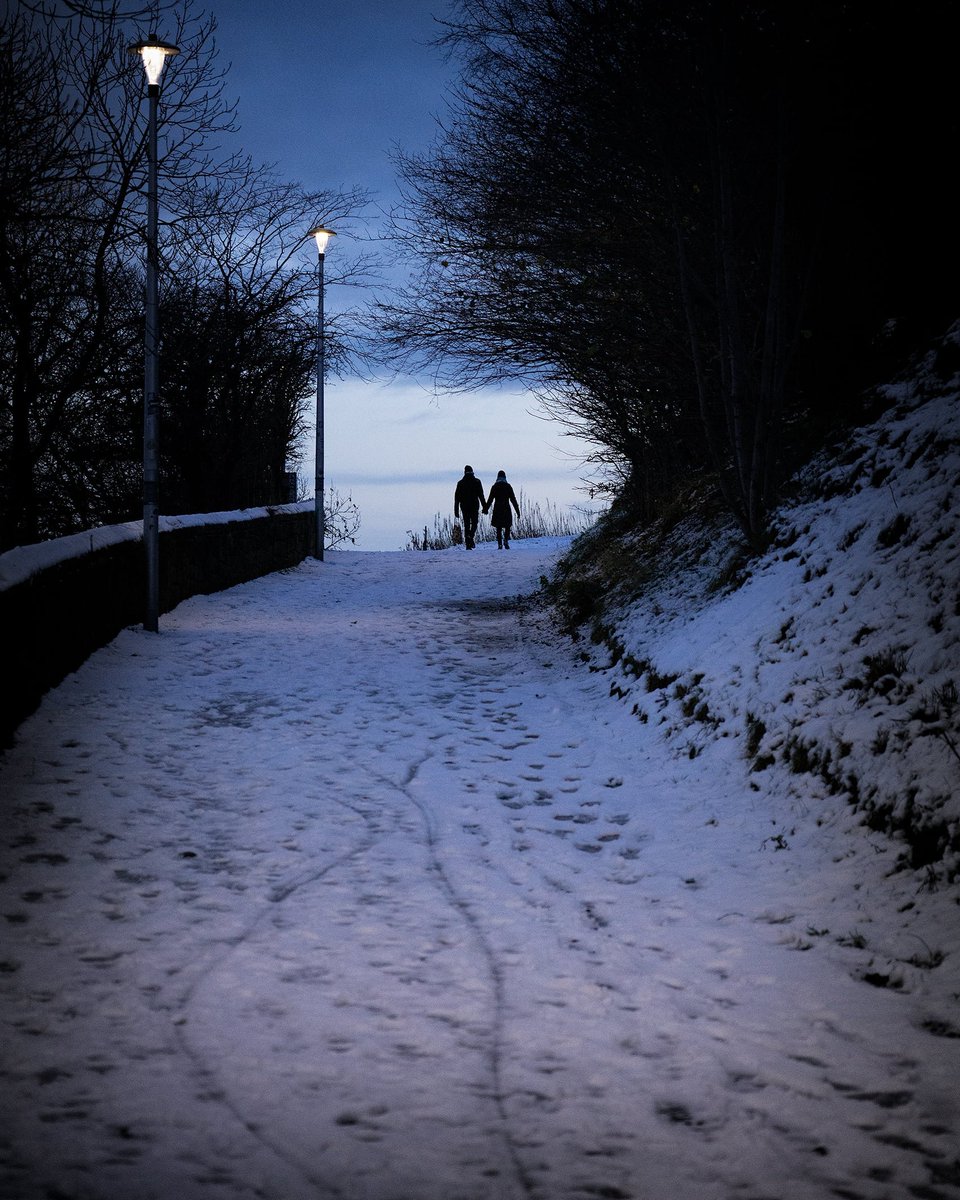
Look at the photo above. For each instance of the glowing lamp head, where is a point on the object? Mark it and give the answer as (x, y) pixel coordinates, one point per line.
(322, 236)
(154, 54)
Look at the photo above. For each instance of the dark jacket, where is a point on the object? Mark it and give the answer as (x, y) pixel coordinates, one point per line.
(500, 498)
(469, 496)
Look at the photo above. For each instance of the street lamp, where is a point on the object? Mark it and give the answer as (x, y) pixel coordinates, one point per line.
(322, 235)
(154, 55)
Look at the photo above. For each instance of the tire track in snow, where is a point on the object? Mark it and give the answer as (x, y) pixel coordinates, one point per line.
(496, 622)
(202, 1066)
(465, 911)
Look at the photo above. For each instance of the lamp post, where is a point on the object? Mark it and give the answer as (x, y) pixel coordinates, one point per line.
(322, 236)
(154, 55)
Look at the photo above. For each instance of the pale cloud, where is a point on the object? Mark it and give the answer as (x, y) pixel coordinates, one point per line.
(401, 429)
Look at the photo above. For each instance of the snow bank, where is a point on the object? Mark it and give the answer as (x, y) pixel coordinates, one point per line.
(837, 653)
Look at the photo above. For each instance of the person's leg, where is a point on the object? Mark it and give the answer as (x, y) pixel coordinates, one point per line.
(499, 537)
(469, 528)
(506, 537)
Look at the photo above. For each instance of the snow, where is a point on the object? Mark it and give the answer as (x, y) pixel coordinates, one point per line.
(846, 636)
(359, 881)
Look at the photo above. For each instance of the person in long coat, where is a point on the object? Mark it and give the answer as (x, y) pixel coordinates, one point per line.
(500, 499)
(467, 500)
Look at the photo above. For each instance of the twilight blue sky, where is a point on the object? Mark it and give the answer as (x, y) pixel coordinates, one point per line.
(328, 89)
(326, 92)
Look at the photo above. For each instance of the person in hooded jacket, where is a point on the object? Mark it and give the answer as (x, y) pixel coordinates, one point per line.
(467, 500)
(500, 498)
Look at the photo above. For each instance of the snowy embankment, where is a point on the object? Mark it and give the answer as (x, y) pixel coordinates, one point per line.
(834, 658)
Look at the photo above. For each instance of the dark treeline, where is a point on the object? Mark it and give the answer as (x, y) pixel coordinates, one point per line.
(238, 283)
(698, 229)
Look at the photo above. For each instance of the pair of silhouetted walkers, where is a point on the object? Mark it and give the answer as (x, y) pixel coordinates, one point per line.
(468, 499)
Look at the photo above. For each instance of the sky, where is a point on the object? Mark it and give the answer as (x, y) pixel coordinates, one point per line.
(328, 94)
(401, 892)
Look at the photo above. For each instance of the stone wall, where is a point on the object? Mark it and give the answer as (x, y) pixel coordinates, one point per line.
(53, 619)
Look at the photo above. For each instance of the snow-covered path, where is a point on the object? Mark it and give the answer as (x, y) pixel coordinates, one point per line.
(356, 883)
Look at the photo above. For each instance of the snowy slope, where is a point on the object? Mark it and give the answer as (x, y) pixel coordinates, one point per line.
(836, 656)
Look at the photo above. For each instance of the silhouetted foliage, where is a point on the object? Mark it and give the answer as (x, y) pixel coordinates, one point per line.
(666, 218)
(238, 283)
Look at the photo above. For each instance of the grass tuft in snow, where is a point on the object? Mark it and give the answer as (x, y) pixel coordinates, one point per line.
(536, 520)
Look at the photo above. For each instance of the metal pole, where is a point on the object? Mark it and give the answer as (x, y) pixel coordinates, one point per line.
(318, 482)
(151, 399)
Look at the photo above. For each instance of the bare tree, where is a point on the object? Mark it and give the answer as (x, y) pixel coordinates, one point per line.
(650, 211)
(539, 236)
(69, 231)
(239, 327)
(71, 237)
